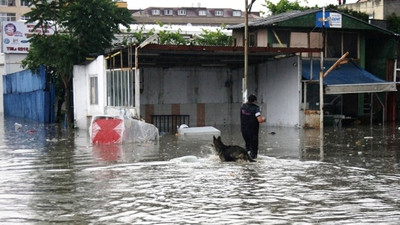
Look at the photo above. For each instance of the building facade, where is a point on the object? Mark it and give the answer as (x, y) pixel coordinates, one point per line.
(196, 16)
(369, 47)
(376, 9)
(13, 10)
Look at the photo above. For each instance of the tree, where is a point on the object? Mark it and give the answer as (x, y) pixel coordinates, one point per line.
(216, 38)
(81, 28)
(283, 6)
(393, 23)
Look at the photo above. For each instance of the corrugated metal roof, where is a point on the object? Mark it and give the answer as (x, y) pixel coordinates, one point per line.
(270, 20)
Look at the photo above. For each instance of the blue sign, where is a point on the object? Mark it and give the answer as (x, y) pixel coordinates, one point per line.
(332, 20)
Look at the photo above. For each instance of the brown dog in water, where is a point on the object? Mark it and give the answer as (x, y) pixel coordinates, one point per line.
(230, 152)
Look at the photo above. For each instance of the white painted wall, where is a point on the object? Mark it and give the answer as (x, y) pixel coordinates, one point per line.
(282, 92)
(83, 111)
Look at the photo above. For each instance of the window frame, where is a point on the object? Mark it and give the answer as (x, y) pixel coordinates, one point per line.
(168, 12)
(181, 12)
(236, 13)
(201, 12)
(219, 12)
(93, 89)
(155, 12)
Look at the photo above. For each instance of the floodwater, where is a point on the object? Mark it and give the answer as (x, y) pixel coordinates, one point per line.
(50, 177)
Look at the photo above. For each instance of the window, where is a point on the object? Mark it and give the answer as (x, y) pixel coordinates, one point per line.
(237, 13)
(202, 13)
(280, 38)
(339, 43)
(168, 12)
(8, 17)
(219, 13)
(253, 40)
(120, 87)
(7, 2)
(350, 43)
(24, 3)
(23, 17)
(181, 12)
(155, 12)
(94, 94)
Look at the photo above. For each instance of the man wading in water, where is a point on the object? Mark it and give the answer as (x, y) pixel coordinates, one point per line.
(250, 119)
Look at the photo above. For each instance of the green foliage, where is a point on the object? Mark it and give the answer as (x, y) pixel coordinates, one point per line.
(166, 37)
(286, 6)
(81, 28)
(140, 35)
(283, 6)
(216, 38)
(359, 15)
(393, 23)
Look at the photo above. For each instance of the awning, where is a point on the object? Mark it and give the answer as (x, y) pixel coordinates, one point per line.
(346, 78)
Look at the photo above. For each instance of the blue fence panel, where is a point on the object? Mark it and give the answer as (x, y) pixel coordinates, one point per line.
(26, 96)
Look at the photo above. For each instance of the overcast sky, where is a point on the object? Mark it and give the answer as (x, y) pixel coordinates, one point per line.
(234, 4)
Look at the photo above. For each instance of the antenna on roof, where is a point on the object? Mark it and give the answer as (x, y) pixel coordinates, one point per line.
(199, 4)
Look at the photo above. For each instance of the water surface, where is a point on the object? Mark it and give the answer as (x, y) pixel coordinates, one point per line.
(50, 177)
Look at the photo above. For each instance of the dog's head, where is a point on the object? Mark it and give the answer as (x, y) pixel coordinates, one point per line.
(217, 143)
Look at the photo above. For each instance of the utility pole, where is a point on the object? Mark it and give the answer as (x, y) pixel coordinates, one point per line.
(321, 75)
(137, 72)
(246, 49)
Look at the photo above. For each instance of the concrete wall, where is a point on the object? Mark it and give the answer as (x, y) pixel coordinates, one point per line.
(83, 111)
(280, 92)
(217, 91)
(198, 92)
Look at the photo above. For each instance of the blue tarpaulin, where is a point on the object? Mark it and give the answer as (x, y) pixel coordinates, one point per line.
(346, 78)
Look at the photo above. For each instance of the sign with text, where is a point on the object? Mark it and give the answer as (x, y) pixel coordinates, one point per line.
(16, 36)
(332, 20)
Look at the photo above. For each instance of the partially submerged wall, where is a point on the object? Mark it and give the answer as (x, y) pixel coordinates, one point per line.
(211, 96)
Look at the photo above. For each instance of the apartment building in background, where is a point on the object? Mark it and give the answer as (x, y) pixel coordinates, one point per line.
(196, 16)
(376, 9)
(13, 10)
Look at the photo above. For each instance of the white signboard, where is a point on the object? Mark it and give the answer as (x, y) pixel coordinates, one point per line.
(16, 36)
(332, 20)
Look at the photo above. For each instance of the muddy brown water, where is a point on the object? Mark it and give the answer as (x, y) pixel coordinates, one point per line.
(50, 177)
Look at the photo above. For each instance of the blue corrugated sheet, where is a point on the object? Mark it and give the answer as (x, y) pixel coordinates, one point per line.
(348, 73)
(29, 96)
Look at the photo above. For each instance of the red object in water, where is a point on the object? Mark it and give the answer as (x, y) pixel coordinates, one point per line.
(107, 130)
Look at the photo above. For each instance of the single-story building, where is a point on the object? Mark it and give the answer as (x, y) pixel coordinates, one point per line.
(202, 85)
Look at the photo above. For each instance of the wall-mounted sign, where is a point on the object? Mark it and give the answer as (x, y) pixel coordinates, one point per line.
(16, 36)
(332, 20)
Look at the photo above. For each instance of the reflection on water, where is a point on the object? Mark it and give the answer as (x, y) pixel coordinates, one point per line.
(48, 176)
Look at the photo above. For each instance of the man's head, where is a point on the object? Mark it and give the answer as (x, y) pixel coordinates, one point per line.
(252, 98)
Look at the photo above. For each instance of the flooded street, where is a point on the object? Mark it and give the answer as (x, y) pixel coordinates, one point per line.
(49, 177)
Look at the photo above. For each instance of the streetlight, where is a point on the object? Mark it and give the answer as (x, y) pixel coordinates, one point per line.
(137, 72)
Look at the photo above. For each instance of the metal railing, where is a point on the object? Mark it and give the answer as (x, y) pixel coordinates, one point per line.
(169, 123)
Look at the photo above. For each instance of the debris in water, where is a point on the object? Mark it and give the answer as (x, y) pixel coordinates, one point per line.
(17, 126)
